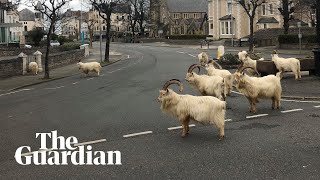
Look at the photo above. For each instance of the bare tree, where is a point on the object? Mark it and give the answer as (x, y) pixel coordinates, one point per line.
(143, 8)
(250, 7)
(52, 9)
(133, 15)
(286, 11)
(317, 5)
(91, 22)
(105, 9)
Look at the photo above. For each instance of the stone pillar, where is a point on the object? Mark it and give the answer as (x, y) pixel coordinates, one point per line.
(38, 55)
(86, 49)
(24, 62)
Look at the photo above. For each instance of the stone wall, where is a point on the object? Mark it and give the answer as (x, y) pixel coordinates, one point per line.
(10, 67)
(304, 46)
(14, 66)
(12, 51)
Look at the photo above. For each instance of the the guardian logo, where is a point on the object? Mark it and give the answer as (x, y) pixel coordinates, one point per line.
(64, 152)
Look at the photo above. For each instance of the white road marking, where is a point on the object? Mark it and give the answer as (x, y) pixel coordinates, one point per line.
(228, 120)
(191, 55)
(55, 88)
(90, 79)
(180, 127)
(15, 92)
(292, 110)
(317, 106)
(75, 83)
(102, 75)
(137, 134)
(128, 56)
(126, 66)
(255, 116)
(180, 52)
(90, 142)
(237, 92)
(287, 100)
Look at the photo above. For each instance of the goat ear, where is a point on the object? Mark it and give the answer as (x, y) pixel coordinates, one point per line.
(247, 55)
(167, 91)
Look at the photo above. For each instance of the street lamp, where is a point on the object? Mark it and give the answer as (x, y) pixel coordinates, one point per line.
(299, 36)
(316, 50)
(231, 24)
(81, 28)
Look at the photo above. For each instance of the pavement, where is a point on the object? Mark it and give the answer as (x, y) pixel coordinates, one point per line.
(18, 82)
(119, 110)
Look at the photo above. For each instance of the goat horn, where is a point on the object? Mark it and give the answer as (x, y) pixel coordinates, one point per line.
(251, 68)
(173, 81)
(274, 52)
(193, 66)
(217, 64)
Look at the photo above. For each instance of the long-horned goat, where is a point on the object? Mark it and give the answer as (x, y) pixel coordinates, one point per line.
(203, 109)
(228, 77)
(206, 85)
(203, 58)
(33, 68)
(89, 67)
(254, 88)
(246, 61)
(287, 64)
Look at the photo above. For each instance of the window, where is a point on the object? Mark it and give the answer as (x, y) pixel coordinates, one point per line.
(265, 26)
(25, 28)
(118, 28)
(122, 17)
(182, 29)
(226, 28)
(175, 16)
(185, 16)
(271, 8)
(104, 28)
(1, 16)
(211, 26)
(117, 17)
(263, 6)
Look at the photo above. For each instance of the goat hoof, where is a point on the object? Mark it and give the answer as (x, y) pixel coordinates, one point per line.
(221, 138)
(183, 135)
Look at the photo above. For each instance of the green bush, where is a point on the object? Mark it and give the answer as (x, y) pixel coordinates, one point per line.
(229, 59)
(184, 37)
(36, 35)
(63, 39)
(293, 39)
(70, 46)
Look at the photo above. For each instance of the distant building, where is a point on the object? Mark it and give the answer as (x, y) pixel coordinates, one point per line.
(72, 24)
(169, 17)
(30, 20)
(9, 27)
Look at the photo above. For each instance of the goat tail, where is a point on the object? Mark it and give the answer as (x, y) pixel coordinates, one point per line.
(298, 66)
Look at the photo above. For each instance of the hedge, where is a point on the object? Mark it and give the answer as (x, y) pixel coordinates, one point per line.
(193, 36)
(293, 39)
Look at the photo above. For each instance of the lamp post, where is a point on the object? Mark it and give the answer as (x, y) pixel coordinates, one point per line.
(231, 25)
(81, 28)
(299, 36)
(316, 50)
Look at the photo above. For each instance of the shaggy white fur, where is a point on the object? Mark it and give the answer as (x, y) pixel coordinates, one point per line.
(33, 68)
(90, 67)
(287, 64)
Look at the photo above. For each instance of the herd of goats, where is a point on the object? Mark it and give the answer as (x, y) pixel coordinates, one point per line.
(217, 84)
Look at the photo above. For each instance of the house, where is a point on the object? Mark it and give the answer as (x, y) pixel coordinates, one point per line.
(227, 18)
(73, 22)
(9, 27)
(31, 20)
(169, 17)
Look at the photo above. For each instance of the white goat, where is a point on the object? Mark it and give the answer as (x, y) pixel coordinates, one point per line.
(286, 64)
(89, 67)
(228, 77)
(206, 85)
(33, 68)
(203, 58)
(203, 109)
(248, 62)
(254, 88)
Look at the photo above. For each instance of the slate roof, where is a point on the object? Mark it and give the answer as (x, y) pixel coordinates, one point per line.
(293, 22)
(121, 8)
(26, 15)
(227, 17)
(195, 6)
(267, 20)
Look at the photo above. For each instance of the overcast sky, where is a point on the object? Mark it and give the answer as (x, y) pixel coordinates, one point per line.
(74, 5)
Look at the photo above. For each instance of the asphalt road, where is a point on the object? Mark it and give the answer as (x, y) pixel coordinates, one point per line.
(278, 145)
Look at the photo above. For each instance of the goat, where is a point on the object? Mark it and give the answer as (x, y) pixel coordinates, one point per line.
(203, 58)
(89, 67)
(228, 77)
(286, 64)
(246, 61)
(203, 109)
(33, 68)
(253, 88)
(206, 85)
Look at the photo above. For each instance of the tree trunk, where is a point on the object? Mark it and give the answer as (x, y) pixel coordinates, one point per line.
(251, 40)
(46, 61)
(106, 55)
(286, 16)
(90, 39)
(318, 21)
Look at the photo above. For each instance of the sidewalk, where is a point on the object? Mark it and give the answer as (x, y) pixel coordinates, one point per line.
(18, 82)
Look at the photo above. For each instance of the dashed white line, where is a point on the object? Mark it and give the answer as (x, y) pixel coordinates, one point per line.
(180, 52)
(292, 110)
(90, 79)
(137, 134)
(179, 127)
(55, 88)
(75, 83)
(191, 55)
(255, 116)
(15, 92)
(317, 106)
(90, 142)
(287, 100)
(228, 120)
